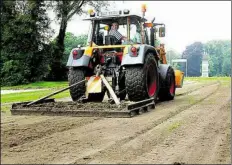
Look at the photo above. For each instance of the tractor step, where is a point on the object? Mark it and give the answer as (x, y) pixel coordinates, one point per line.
(49, 107)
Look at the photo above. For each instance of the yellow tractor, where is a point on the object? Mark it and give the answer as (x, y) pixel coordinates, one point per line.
(122, 60)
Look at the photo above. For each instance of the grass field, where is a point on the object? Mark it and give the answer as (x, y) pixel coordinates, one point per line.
(38, 85)
(200, 79)
(28, 96)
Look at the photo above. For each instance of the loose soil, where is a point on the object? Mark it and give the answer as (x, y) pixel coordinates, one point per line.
(194, 128)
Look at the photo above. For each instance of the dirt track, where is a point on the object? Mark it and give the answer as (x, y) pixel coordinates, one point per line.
(194, 128)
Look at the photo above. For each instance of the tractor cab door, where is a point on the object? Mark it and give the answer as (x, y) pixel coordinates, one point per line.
(137, 33)
(99, 34)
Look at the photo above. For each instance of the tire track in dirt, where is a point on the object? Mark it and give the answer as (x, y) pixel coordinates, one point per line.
(91, 141)
(28, 130)
(195, 87)
(9, 120)
(222, 134)
(203, 136)
(127, 151)
(116, 148)
(15, 135)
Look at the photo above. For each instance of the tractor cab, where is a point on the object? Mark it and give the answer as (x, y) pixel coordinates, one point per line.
(134, 28)
(129, 26)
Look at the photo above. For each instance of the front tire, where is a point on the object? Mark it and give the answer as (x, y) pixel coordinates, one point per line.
(142, 82)
(168, 92)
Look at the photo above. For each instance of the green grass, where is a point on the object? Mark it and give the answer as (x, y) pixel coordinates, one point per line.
(38, 85)
(30, 96)
(225, 81)
(207, 78)
(174, 126)
(5, 108)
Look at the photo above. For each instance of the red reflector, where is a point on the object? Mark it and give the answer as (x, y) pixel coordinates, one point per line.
(133, 49)
(75, 53)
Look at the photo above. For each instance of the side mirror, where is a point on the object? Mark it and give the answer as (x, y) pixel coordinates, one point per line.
(162, 31)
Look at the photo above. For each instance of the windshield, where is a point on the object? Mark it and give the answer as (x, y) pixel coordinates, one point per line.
(121, 32)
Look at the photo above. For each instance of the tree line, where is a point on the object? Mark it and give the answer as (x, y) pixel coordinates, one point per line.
(217, 52)
(27, 52)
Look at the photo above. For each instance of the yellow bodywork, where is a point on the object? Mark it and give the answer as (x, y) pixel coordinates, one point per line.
(179, 76)
(89, 49)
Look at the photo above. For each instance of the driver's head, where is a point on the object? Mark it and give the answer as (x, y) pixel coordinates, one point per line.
(114, 26)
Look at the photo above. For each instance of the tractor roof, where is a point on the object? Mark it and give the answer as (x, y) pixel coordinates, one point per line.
(119, 18)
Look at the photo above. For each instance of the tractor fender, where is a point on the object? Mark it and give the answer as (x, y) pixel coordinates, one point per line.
(82, 61)
(129, 59)
(163, 70)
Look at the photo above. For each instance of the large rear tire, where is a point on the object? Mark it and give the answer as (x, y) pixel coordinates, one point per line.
(142, 82)
(169, 90)
(75, 75)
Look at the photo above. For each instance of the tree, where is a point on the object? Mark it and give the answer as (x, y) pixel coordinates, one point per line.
(219, 52)
(193, 53)
(171, 55)
(64, 11)
(25, 31)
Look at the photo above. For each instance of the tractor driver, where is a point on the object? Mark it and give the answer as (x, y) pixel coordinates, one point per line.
(114, 32)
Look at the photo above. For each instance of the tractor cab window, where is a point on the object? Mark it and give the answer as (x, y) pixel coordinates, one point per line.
(135, 33)
(99, 33)
(131, 30)
(122, 29)
(101, 30)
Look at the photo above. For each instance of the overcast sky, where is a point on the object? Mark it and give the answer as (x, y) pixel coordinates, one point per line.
(186, 21)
